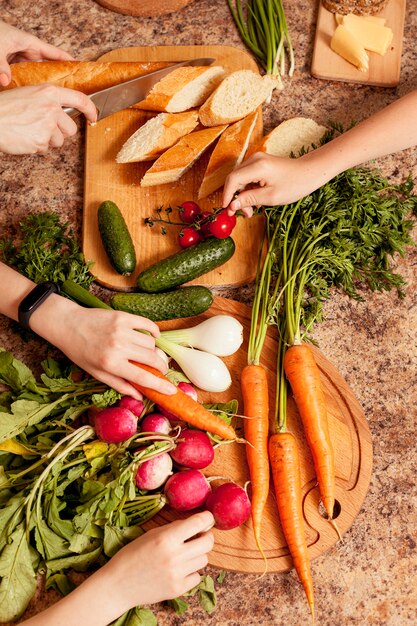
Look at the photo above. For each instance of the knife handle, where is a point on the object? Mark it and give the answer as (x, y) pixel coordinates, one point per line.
(71, 112)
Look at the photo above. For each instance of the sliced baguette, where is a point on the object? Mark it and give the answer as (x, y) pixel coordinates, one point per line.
(184, 88)
(290, 137)
(157, 135)
(85, 76)
(227, 154)
(173, 163)
(238, 94)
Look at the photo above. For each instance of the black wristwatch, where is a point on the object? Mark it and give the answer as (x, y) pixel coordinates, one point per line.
(34, 299)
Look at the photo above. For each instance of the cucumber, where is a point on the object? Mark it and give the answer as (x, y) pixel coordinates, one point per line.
(169, 305)
(186, 265)
(116, 238)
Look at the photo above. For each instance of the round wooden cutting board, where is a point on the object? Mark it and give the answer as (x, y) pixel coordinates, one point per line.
(235, 550)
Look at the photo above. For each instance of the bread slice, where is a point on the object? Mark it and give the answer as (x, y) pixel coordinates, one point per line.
(238, 94)
(85, 76)
(182, 89)
(227, 154)
(157, 135)
(290, 137)
(173, 163)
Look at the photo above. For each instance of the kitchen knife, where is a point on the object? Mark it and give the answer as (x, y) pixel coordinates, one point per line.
(131, 92)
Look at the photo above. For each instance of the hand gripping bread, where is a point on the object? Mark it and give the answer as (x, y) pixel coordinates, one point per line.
(238, 94)
(85, 76)
(290, 137)
(227, 154)
(182, 89)
(173, 163)
(157, 134)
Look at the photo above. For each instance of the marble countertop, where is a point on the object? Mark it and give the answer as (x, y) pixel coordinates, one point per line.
(367, 579)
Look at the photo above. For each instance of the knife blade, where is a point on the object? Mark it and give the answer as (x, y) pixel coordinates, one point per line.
(124, 95)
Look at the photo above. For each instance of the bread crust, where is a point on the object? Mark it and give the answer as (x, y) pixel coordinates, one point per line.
(228, 153)
(175, 161)
(85, 76)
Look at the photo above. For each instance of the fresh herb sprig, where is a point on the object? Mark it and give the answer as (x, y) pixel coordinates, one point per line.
(48, 250)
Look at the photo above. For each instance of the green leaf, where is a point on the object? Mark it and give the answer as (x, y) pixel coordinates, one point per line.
(115, 538)
(61, 583)
(18, 579)
(14, 373)
(136, 617)
(179, 605)
(24, 413)
(176, 377)
(79, 562)
(48, 543)
(206, 593)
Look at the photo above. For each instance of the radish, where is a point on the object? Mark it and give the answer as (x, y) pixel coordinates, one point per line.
(155, 423)
(230, 506)
(194, 449)
(127, 402)
(153, 473)
(187, 490)
(115, 424)
(186, 388)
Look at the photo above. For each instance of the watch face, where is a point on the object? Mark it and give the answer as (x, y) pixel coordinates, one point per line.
(34, 299)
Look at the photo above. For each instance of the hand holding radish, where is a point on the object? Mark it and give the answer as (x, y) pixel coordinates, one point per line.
(161, 564)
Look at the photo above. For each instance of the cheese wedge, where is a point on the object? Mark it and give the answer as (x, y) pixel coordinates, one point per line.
(346, 44)
(371, 35)
(369, 18)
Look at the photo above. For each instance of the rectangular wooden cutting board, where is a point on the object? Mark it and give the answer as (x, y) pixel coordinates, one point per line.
(384, 71)
(107, 180)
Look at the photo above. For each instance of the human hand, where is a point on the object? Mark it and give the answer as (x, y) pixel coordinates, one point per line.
(32, 119)
(103, 343)
(280, 181)
(161, 564)
(16, 45)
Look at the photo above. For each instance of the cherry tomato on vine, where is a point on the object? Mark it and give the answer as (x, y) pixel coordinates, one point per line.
(188, 237)
(205, 228)
(189, 211)
(222, 225)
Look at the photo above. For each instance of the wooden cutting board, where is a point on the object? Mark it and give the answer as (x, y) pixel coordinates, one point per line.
(107, 180)
(384, 71)
(235, 550)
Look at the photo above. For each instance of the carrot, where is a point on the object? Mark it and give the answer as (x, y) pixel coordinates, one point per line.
(254, 387)
(185, 407)
(304, 377)
(285, 469)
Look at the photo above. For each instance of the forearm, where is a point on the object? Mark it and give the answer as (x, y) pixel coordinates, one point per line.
(392, 129)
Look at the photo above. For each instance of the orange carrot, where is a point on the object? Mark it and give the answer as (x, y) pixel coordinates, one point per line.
(285, 469)
(254, 387)
(304, 377)
(185, 408)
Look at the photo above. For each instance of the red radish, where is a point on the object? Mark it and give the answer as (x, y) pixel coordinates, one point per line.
(187, 490)
(186, 388)
(115, 424)
(230, 506)
(136, 406)
(155, 423)
(153, 473)
(194, 449)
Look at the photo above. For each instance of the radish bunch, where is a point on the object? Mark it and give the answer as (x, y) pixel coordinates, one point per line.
(177, 469)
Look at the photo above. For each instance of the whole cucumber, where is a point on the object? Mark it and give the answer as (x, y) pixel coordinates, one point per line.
(185, 265)
(116, 238)
(169, 305)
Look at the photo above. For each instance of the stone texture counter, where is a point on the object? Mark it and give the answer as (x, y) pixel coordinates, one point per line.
(370, 578)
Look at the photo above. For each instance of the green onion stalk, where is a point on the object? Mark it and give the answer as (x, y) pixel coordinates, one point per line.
(263, 28)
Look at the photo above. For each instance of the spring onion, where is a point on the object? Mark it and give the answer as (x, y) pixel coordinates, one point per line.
(221, 335)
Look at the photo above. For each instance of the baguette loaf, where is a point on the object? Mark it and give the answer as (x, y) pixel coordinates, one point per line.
(238, 94)
(227, 154)
(157, 134)
(173, 163)
(85, 76)
(290, 137)
(185, 88)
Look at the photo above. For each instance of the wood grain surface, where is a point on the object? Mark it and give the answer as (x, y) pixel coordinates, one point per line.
(107, 180)
(144, 8)
(384, 71)
(235, 550)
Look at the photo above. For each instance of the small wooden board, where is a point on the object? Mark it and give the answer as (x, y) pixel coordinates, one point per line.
(235, 550)
(107, 180)
(384, 71)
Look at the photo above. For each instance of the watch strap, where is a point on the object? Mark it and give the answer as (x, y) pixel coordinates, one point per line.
(34, 299)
